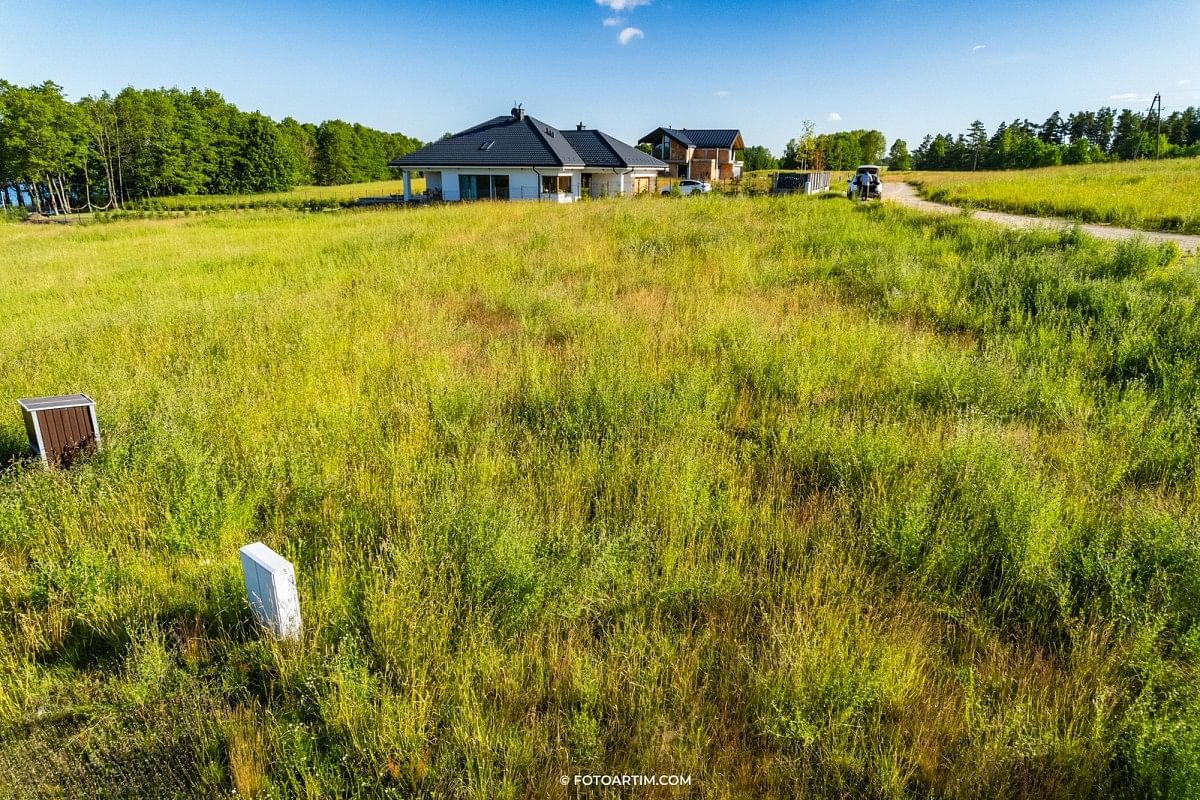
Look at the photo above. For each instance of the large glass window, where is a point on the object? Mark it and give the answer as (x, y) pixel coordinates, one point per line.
(556, 184)
(483, 187)
(468, 188)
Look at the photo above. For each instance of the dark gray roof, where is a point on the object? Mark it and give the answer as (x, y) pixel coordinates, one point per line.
(517, 143)
(698, 137)
(598, 149)
(526, 142)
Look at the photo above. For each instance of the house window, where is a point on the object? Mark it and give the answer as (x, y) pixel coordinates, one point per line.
(483, 187)
(556, 184)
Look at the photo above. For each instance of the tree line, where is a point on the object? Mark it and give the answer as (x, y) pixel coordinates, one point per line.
(827, 151)
(102, 152)
(1084, 137)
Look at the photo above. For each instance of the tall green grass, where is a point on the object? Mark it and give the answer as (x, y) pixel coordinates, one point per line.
(1152, 195)
(791, 496)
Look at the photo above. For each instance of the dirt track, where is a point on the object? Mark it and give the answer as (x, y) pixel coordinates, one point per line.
(907, 195)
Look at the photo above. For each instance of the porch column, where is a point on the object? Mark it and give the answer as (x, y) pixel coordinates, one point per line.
(407, 185)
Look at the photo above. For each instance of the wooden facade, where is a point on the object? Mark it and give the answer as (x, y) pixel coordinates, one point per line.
(714, 163)
(61, 428)
(703, 155)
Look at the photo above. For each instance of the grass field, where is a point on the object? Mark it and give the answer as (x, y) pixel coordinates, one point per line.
(798, 498)
(1152, 195)
(303, 196)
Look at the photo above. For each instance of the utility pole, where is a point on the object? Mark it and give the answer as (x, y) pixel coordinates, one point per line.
(1156, 110)
(1157, 104)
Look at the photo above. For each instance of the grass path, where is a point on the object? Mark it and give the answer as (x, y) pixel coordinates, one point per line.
(906, 194)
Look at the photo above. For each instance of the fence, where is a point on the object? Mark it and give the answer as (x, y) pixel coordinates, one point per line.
(778, 182)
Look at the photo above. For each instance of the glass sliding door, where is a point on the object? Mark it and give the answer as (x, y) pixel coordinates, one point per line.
(483, 187)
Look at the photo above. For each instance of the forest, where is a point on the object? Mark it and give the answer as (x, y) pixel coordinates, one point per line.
(1084, 137)
(98, 153)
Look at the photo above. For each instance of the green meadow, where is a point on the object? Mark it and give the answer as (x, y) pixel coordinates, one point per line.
(1151, 195)
(793, 496)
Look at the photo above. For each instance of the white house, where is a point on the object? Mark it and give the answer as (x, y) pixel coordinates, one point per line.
(517, 157)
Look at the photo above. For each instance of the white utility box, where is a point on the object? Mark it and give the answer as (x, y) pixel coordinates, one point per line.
(271, 590)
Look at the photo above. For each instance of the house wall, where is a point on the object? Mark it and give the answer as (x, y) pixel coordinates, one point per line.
(523, 183)
(722, 155)
(450, 185)
(622, 183)
(433, 183)
(679, 151)
(607, 184)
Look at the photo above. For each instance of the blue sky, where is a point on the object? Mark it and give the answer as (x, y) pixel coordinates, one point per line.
(906, 67)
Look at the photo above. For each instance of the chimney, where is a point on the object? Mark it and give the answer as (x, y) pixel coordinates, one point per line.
(580, 127)
(518, 113)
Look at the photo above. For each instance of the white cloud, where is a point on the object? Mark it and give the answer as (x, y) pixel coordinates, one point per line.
(629, 34)
(722, 93)
(612, 22)
(978, 47)
(622, 5)
(835, 116)
(1124, 96)
(1186, 82)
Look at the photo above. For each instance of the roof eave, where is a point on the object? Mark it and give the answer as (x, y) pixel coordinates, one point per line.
(511, 165)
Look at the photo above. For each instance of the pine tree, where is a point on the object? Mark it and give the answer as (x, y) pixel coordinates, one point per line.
(977, 142)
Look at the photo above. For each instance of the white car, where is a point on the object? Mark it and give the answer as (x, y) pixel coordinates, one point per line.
(690, 187)
(867, 183)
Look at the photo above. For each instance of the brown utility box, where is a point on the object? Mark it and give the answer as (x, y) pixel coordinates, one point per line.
(61, 427)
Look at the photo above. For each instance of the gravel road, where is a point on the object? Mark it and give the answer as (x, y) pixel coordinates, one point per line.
(907, 195)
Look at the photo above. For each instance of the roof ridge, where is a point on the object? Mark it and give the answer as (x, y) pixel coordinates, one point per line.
(536, 123)
(480, 126)
(604, 137)
(681, 134)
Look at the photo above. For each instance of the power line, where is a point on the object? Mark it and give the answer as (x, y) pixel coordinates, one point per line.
(1156, 110)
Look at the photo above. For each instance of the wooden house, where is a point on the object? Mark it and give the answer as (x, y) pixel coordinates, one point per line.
(707, 154)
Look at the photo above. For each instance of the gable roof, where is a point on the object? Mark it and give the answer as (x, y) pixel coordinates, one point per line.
(697, 137)
(522, 141)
